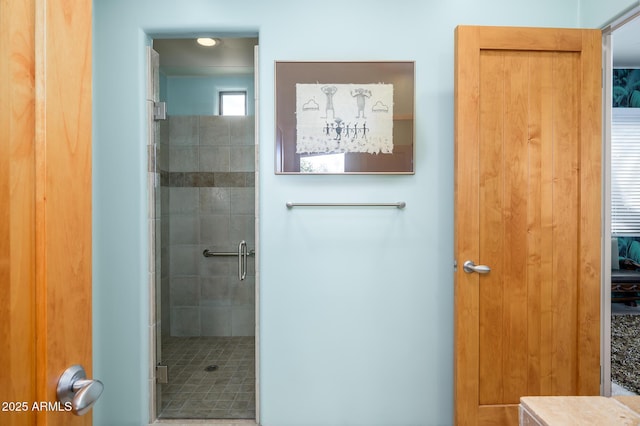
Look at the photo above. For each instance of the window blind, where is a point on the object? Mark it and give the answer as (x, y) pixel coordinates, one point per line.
(625, 171)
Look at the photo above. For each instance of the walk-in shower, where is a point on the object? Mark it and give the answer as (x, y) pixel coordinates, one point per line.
(205, 246)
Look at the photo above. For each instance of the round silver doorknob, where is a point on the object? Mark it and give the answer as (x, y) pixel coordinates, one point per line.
(74, 387)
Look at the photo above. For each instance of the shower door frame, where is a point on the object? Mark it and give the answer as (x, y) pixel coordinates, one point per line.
(154, 280)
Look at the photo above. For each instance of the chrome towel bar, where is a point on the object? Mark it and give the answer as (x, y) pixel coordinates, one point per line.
(399, 204)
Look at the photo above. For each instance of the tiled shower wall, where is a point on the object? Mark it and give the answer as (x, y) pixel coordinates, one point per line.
(207, 168)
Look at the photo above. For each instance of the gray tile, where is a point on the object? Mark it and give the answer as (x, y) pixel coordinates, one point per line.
(185, 321)
(229, 394)
(185, 291)
(197, 405)
(216, 321)
(215, 200)
(242, 130)
(184, 200)
(214, 130)
(245, 396)
(198, 179)
(183, 130)
(230, 179)
(216, 291)
(242, 227)
(174, 179)
(184, 229)
(184, 159)
(243, 321)
(215, 230)
(184, 260)
(242, 201)
(250, 179)
(174, 405)
(218, 266)
(225, 404)
(243, 293)
(215, 159)
(171, 414)
(243, 159)
(204, 389)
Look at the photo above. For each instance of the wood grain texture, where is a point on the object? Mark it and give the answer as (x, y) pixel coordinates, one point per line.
(590, 225)
(17, 192)
(531, 39)
(492, 239)
(514, 217)
(565, 202)
(540, 226)
(466, 285)
(63, 195)
(527, 162)
(498, 415)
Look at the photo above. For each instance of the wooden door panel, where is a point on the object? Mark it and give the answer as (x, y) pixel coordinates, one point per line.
(497, 415)
(45, 204)
(522, 177)
(63, 210)
(17, 196)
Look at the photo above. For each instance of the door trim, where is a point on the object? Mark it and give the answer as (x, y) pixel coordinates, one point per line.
(617, 22)
(605, 327)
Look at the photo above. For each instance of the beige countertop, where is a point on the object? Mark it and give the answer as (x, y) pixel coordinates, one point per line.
(579, 410)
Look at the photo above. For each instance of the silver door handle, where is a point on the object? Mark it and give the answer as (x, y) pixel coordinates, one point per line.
(243, 252)
(470, 267)
(75, 388)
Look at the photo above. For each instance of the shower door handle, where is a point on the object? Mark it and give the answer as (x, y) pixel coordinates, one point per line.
(243, 252)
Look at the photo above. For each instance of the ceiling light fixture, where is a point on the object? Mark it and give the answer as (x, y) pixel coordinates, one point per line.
(207, 41)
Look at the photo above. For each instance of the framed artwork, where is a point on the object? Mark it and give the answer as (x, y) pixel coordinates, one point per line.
(345, 117)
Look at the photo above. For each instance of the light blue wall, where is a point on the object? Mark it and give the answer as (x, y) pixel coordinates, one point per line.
(200, 95)
(597, 13)
(356, 323)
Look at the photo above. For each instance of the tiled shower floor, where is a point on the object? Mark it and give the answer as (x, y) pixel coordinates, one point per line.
(228, 392)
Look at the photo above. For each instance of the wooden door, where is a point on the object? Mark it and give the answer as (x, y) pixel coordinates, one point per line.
(527, 204)
(45, 205)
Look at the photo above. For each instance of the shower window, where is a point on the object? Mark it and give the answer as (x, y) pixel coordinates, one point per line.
(233, 103)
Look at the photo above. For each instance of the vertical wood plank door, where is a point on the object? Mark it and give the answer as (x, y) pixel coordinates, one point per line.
(17, 210)
(45, 205)
(528, 206)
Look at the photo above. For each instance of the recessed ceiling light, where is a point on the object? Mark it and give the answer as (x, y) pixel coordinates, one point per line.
(207, 41)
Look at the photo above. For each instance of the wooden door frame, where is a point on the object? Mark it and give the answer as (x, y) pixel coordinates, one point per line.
(476, 39)
(605, 328)
(607, 90)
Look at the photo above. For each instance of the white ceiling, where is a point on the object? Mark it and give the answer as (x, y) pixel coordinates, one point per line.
(185, 57)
